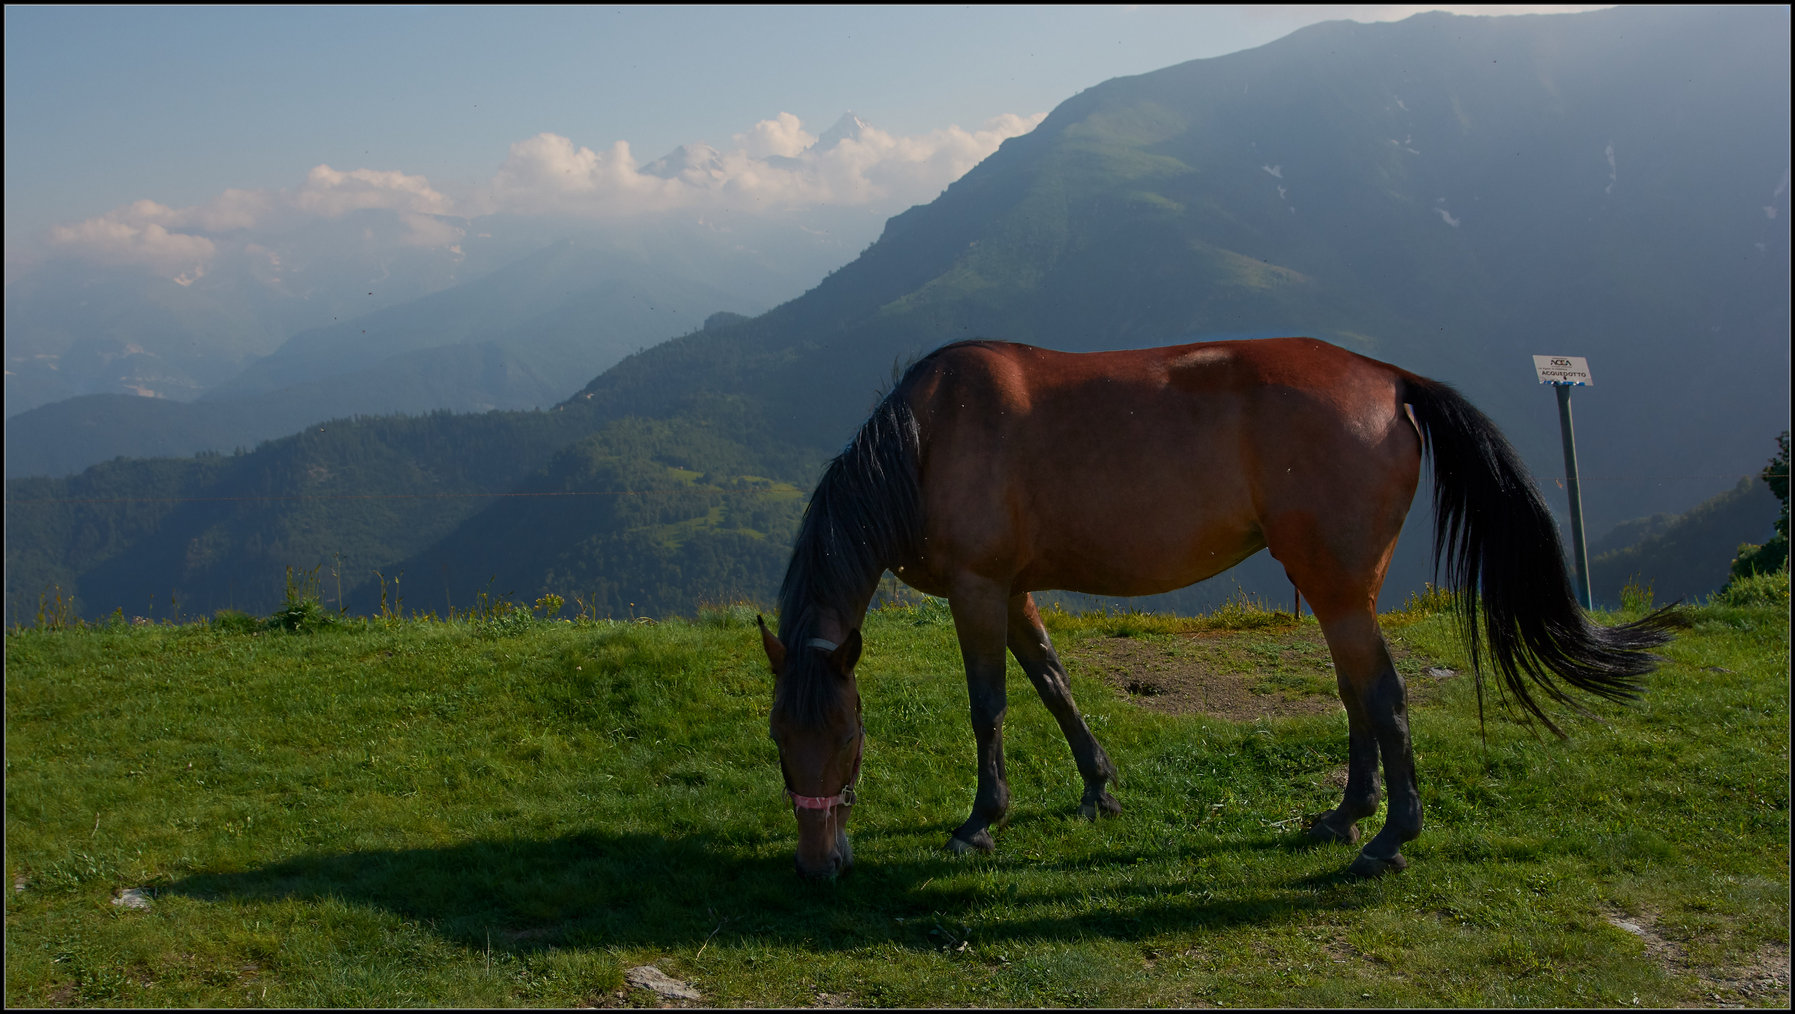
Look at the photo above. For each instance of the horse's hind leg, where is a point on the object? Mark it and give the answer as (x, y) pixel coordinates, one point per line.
(1377, 718)
(1339, 571)
(1029, 643)
(1360, 798)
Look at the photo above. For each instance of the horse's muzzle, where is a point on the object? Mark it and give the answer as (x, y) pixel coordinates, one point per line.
(836, 861)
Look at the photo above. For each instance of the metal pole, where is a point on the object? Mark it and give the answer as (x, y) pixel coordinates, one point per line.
(1579, 554)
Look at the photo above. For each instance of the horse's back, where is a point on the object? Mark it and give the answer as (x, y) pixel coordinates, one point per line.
(1143, 470)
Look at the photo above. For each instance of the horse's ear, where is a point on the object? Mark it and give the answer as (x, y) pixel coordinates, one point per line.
(775, 650)
(844, 658)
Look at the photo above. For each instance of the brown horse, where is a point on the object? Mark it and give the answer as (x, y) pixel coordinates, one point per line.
(992, 470)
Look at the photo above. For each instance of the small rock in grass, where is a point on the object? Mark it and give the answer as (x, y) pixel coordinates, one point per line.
(1626, 924)
(132, 897)
(652, 979)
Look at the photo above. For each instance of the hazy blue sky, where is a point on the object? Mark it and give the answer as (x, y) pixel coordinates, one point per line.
(106, 106)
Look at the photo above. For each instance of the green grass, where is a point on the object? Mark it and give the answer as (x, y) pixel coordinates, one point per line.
(477, 814)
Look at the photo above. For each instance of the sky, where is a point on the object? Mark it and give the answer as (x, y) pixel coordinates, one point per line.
(148, 133)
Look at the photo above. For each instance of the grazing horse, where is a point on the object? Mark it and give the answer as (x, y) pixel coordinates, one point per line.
(993, 470)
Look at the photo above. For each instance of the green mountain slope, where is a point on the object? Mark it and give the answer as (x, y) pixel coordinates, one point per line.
(1451, 194)
(642, 518)
(1683, 556)
(1437, 192)
(217, 531)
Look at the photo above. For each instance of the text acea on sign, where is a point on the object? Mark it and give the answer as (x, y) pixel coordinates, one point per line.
(1572, 370)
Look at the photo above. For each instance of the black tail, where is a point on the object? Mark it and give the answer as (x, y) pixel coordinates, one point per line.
(1500, 549)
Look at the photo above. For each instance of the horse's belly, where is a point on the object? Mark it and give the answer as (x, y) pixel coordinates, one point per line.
(1134, 556)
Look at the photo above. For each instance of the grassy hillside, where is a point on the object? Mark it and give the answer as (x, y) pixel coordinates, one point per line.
(515, 812)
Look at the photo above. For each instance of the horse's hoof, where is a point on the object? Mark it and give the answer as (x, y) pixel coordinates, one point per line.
(1370, 866)
(1104, 805)
(1320, 830)
(980, 842)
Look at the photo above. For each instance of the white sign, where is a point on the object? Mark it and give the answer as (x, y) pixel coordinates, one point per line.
(1572, 370)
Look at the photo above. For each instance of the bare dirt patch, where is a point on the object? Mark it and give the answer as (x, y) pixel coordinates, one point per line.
(1240, 675)
(1760, 980)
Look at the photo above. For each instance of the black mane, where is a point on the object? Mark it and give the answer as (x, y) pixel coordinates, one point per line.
(865, 516)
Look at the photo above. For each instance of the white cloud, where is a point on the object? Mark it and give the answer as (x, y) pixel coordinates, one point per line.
(877, 165)
(180, 243)
(783, 135)
(774, 166)
(547, 174)
(330, 193)
(134, 239)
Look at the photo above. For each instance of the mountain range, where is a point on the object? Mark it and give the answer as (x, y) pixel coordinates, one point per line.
(1452, 194)
(380, 309)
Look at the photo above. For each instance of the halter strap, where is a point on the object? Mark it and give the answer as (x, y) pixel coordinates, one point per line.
(845, 797)
(821, 642)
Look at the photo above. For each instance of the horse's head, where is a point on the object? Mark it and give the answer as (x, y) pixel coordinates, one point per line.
(816, 724)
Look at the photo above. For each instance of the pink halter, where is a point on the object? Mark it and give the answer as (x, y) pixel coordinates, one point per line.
(845, 797)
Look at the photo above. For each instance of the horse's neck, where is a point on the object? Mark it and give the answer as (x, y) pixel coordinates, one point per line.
(835, 599)
(833, 622)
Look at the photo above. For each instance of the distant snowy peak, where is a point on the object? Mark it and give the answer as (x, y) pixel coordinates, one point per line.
(848, 128)
(686, 161)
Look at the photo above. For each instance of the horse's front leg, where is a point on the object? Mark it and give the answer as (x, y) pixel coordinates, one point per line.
(1029, 643)
(979, 619)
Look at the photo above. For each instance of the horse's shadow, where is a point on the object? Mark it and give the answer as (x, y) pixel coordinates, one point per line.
(667, 892)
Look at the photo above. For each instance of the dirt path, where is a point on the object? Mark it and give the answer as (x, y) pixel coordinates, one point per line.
(1239, 675)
